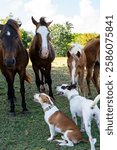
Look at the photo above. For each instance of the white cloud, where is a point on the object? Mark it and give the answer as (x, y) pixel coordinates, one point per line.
(86, 21)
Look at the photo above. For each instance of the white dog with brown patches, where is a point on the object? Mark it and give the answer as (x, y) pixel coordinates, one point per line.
(82, 107)
(59, 122)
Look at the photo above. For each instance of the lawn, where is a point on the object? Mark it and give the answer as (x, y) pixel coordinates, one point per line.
(31, 132)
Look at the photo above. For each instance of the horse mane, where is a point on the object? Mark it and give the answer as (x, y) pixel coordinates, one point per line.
(43, 22)
(12, 23)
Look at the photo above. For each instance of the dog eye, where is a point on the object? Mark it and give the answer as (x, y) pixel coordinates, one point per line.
(63, 87)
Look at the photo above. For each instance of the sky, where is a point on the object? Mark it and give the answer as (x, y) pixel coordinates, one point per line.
(83, 14)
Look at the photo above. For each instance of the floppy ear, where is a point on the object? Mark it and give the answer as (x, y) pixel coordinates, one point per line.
(78, 54)
(48, 23)
(52, 100)
(72, 86)
(68, 54)
(1, 26)
(34, 21)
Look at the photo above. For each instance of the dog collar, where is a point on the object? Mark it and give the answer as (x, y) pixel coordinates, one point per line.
(48, 108)
(73, 96)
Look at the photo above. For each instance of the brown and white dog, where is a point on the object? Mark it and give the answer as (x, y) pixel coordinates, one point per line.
(59, 122)
(80, 106)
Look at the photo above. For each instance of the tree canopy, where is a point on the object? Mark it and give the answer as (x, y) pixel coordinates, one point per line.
(61, 36)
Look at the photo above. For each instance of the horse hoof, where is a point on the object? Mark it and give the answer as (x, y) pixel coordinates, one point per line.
(25, 112)
(12, 114)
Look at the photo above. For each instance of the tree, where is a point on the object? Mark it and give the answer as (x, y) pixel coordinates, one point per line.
(61, 38)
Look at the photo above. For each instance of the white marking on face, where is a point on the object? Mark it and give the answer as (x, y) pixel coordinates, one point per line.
(73, 71)
(76, 48)
(43, 31)
(8, 33)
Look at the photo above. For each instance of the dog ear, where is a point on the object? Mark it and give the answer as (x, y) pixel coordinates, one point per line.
(52, 100)
(72, 86)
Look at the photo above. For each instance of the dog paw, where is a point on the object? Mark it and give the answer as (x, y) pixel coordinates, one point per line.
(50, 139)
(82, 130)
(94, 140)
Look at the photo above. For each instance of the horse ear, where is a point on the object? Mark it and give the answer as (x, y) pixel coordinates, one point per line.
(78, 54)
(34, 21)
(19, 24)
(68, 54)
(1, 26)
(48, 23)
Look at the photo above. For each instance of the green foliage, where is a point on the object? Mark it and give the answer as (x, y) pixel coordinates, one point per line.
(84, 38)
(26, 38)
(61, 38)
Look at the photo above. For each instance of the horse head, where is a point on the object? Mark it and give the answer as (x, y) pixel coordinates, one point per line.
(73, 56)
(9, 39)
(42, 36)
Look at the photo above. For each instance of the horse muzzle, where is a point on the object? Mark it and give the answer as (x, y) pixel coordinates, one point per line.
(44, 54)
(9, 62)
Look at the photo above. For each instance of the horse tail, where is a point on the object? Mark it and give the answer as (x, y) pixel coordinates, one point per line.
(97, 98)
(28, 78)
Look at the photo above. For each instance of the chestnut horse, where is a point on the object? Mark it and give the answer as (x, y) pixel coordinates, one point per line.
(76, 62)
(13, 59)
(92, 52)
(42, 53)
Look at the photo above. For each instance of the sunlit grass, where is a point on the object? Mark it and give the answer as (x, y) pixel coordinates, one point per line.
(31, 132)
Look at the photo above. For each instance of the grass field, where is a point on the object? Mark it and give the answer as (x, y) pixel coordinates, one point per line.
(31, 132)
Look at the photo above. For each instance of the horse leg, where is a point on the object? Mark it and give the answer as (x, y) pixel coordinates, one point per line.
(37, 79)
(22, 90)
(49, 80)
(88, 79)
(95, 77)
(81, 81)
(11, 93)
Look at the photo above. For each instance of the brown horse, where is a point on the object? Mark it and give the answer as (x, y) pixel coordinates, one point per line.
(42, 54)
(76, 62)
(92, 52)
(13, 59)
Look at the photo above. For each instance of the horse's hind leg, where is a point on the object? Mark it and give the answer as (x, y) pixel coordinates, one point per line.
(88, 79)
(95, 76)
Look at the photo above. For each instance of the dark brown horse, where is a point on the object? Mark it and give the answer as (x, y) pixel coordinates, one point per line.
(42, 54)
(92, 52)
(13, 59)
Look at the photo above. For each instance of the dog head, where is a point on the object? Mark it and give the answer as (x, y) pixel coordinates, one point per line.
(43, 98)
(66, 89)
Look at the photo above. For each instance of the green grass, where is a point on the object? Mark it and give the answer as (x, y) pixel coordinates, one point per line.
(31, 132)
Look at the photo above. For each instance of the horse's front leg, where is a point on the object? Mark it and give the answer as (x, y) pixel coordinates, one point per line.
(11, 93)
(22, 91)
(37, 79)
(49, 80)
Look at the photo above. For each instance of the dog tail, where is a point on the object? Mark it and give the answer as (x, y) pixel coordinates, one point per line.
(97, 98)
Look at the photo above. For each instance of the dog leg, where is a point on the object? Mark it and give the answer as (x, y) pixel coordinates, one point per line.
(52, 133)
(97, 119)
(88, 131)
(82, 125)
(74, 118)
(68, 143)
